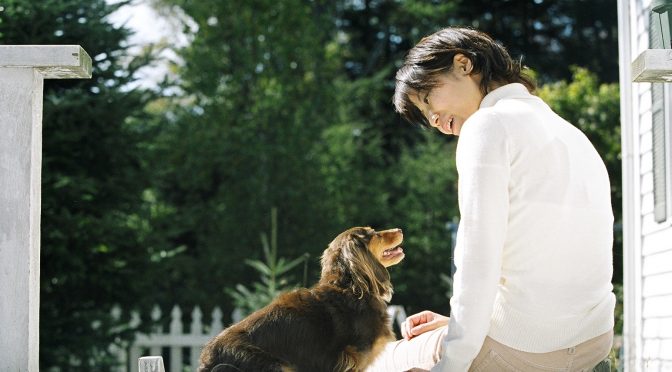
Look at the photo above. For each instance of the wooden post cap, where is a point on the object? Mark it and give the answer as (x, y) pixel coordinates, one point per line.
(53, 61)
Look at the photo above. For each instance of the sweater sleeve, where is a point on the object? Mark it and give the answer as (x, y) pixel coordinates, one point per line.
(483, 165)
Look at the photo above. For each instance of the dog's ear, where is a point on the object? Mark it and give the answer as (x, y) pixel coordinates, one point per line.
(349, 254)
(332, 260)
(368, 274)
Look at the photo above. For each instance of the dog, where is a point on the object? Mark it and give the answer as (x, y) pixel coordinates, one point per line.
(339, 324)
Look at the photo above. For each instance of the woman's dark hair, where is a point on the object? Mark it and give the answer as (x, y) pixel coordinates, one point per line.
(433, 56)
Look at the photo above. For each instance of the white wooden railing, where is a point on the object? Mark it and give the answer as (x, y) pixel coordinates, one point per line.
(177, 341)
(23, 69)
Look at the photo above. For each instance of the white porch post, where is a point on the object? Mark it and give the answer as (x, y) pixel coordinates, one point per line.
(22, 71)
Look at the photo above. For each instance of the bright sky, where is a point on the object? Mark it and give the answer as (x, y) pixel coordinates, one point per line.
(150, 27)
(139, 16)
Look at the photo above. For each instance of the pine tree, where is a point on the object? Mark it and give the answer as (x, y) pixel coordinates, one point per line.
(93, 178)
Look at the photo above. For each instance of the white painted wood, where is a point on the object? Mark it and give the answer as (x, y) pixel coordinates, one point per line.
(646, 162)
(396, 313)
(648, 223)
(646, 143)
(657, 350)
(194, 357)
(22, 71)
(216, 324)
(645, 102)
(650, 226)
(657, 285)
(653, 66)
(20, 164)
(646, 182)
(647, 203)
(176, 329)
(657, 306)
(196, 329)
(117, 350)
(134, 352)
(156, 349)
(646, 119)
(176, 339)
(657, 365)
(629, 102)
(52, 61)
(657, 328)
(656, 242)
(176, 321)
(196, 321)
(151, 364)
(647, 244)
(658, 263)
(135, 355)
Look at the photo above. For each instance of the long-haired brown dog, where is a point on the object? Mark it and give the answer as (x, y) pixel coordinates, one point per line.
(340, 324)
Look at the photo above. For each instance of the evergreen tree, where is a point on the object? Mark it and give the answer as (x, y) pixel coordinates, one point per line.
(257, 93)
(544, 32)
(92, 253)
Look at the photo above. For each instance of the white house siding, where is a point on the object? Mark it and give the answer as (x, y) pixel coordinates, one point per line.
(647, 244)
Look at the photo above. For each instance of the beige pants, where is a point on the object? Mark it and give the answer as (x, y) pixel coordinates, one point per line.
(422, 352)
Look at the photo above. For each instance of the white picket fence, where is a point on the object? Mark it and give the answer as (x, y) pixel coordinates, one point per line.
(184, 348)
(179, 347)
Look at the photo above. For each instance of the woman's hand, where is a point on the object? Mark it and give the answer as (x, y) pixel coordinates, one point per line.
(422, 322)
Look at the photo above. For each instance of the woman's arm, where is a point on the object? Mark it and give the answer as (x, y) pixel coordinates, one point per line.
(484, 167)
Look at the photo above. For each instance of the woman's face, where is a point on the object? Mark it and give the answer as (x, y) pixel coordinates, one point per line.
(456, 97)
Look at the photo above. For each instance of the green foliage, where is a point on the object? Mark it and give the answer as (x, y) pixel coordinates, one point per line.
(350, 154)
(618, 326)
(425, 186)
(550, 35)
(273, 272)
(243, 138)
(617, 349)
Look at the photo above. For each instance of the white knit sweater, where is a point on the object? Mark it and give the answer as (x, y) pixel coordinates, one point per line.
(533, 253)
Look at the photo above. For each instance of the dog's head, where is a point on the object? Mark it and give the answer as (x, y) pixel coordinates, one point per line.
(357, 259)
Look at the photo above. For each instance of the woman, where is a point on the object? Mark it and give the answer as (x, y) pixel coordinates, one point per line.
(532, 290)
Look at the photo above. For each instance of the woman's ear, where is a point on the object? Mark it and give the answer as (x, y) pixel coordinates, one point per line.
(462, 64)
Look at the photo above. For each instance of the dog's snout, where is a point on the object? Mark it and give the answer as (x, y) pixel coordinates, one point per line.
(394, 231)
(391, 234)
